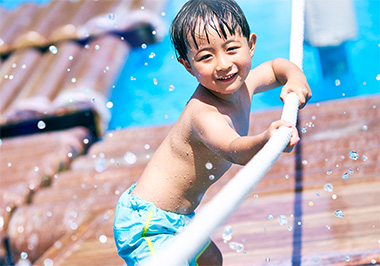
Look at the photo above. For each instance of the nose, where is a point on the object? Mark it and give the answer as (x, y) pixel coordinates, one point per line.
(223, 63)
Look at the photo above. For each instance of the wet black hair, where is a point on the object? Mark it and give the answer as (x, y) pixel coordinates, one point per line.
(217, 14)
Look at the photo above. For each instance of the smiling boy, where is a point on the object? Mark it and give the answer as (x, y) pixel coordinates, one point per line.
(213, 42)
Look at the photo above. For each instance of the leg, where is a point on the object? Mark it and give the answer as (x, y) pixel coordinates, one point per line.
(211, 256)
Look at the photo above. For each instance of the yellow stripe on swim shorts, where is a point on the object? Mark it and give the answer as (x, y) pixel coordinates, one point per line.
(203, 250)
(147, 239)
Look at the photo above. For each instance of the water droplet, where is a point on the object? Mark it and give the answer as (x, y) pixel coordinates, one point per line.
(287, 176)
(282, 220)
(270, 217)
(267, 259)
(236, 246)
(109, 105)
(163, 14)
(373, 261)
(211, 177)
(41, 124)
(290, 228)
(334, 196)
(365, 127)
(365, 158)
(337, 82)
(73, 80)
(71, 57)
(23, 66)
(155, 82)
(227, 234)
(353, 155)
(130, 158)
(345, 176)
(208, 166)
(48, 262)
(304, 162)
(97, 47)
(328, 227)
(100, 165)
(111, 16)
(304, 130)
(311, 204)
(53, 49)
(347, 258)
(329, 172)
(328, 187)
(143, 46)
(24, 255)
(171, 87)
(350, 171)
(103, 239)
(339, 213)
(36, 169)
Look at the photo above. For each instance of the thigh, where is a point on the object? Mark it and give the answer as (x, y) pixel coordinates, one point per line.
(210, 256)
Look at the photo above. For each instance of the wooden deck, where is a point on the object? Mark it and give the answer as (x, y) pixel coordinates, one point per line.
(69, 219)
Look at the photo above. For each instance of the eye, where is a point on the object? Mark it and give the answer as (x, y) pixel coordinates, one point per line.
(232, 48)
(204, 57)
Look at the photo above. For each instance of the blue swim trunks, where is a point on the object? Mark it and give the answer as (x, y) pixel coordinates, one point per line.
(140, 228)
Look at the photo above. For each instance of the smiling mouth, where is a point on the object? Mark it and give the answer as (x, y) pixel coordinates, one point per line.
(228, 78)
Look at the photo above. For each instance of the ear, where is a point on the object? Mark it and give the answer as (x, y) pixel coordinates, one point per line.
(252, 43)
(186, 64)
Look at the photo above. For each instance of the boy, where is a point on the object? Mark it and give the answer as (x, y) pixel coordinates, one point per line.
(213, 42)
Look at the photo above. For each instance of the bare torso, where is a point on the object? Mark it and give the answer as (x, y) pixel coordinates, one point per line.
(183, 167)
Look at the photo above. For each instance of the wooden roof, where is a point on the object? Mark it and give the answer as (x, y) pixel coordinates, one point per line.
(65, 56)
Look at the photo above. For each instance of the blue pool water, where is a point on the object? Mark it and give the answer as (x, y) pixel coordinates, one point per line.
(153, 87)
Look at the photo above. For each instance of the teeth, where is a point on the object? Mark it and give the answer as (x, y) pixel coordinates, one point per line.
(227, 77)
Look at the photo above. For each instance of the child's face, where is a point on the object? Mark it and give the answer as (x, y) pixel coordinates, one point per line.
(221, 65)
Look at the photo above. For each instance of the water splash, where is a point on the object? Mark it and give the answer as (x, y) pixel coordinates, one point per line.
(130, 157)
(339, 213)
(53, 49)
(236, 246)
(103, 239)
(41, 124)
(282, 220)
(328, 187)
(227, 234)
(353, 155)
(24, 255)
(208, 166)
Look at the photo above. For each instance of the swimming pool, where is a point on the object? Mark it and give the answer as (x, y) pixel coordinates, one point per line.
(153, 87)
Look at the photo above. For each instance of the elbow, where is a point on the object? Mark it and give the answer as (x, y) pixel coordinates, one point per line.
(240, 160)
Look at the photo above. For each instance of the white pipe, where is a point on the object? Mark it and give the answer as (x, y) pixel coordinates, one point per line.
(297, 32)
(185, 246)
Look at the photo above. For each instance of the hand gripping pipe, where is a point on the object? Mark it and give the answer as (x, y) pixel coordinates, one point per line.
(185, 246)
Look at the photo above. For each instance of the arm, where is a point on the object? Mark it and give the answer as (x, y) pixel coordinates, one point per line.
(220, 137)
(276, 73)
